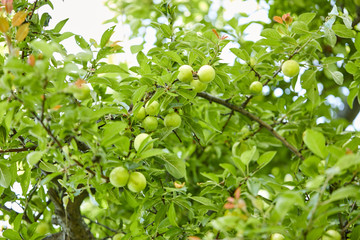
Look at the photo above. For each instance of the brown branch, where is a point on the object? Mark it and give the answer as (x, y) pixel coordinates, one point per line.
(252, 117)
(18, 149)
(33, 10)
(227, 121)
(177, 135)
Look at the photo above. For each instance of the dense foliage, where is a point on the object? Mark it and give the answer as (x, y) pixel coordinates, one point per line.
(92, 150)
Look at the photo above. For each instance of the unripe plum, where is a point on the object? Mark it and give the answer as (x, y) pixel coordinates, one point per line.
(198, 86)
(119, 176)
(153, 108)
(150, 123)
(256, 87)
(290, 68)
(206, 74)
(137, 182)
(185, 73)
(139, 139)
(172, 120)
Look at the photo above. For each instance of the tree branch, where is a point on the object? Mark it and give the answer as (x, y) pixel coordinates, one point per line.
(252, 117)
(18, 149)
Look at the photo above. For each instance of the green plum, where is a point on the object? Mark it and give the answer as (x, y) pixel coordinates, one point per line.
(152, 108)
(290, 68)
(150, 123)
(137, 182)
(139, 140)
(119, 176)
(185, 74)
(206, 74)
(198, 86)
(172, 120)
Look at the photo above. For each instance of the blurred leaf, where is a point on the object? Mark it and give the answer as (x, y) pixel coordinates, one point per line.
(315, 141)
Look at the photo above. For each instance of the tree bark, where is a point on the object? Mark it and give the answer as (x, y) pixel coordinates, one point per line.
(70, 220)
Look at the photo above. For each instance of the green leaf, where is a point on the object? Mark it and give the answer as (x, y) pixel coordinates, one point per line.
(230, 168)
(110, 68)
(150, 153)
(337, 76)
(11, 235)
(265, 158)
(172, 215)
(60, 25)
(174, 165)
(16, 65)
(48, 167)
(136, 48)
(5, 176)
(205, 201)
(299, 27)
(106, 36)
(139, 93)
(350, 99)
(166, 30)
(34, 157)
(345, 192)
(342, 31)
(330, 36)
(357, 42)
(306, 17)
(347, 161)
(315, 141)
(241, 53)
(80, 41)
(248, 155)
(174, 56)
(130, 199)
(355, 233)
(43, 46)
(270, 33)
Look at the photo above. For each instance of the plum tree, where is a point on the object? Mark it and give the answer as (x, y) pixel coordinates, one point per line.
(198, 86)
(172, 120)
(206, 74)
(137, 182)
(119, 176)
(150, 123)
(140, 139)
(290, 68)
(185, 74)
(241, 163)
(152, 108)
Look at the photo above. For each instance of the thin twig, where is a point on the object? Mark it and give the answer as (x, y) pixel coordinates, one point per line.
(18, 149)
(33, 10)
(252, 117)
(100, 224)
(227, 121)
(177, 135)
(351, 223)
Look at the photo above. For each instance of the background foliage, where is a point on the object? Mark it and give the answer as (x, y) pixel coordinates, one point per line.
(240, 166)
